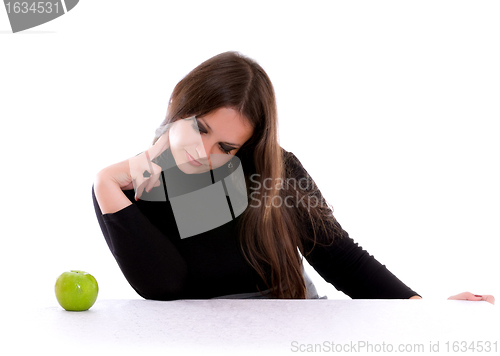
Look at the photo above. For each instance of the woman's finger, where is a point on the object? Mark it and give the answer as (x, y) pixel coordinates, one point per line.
(153, 180)
(139, 185)
(488, 298)
(138, 165)
(463, 296)
(154, 171)
(160, 145)
(473, 297)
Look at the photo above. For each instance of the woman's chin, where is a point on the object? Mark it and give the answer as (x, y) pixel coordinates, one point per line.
(188, 168)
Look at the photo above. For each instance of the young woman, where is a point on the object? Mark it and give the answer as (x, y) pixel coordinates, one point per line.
(164, 220)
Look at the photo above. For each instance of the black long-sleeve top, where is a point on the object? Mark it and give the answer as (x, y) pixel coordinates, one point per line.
(159, 264)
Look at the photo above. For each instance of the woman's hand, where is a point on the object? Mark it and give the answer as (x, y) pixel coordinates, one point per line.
(473, 297)
(143, 162)
(128, 174)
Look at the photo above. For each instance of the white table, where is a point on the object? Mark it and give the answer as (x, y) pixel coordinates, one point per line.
(261, 327)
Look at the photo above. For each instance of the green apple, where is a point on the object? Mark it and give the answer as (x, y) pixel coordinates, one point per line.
(76, 290)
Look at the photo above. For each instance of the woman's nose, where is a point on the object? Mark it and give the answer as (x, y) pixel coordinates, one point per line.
(200, 149)
(202, 153)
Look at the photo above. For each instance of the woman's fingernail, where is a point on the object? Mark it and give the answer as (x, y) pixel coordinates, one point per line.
(479, 296)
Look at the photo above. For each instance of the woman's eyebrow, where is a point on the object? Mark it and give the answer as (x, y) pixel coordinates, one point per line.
(228, 143)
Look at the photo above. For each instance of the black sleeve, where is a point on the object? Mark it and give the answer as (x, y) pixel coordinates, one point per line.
(352, 270)
(148, 259)
(343, 263)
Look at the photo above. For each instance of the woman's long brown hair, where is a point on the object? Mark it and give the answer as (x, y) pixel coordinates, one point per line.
(270, 231)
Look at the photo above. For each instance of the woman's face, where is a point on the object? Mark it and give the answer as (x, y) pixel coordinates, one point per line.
(208, 142)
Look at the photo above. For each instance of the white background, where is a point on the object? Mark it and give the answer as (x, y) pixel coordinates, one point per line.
(391, 106)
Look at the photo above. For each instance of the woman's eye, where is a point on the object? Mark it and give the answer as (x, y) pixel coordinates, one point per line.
(225, 149)
(198, 127)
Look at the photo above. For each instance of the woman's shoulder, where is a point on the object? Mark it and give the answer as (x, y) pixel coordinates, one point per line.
(285, 153)
(293, 166)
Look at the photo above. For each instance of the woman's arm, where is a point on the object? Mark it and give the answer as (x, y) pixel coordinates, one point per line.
(344, 264)
(147, 257)
(109, 185)
(111, 181)
(352, 270)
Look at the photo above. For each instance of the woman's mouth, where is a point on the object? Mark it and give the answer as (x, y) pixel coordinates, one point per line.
(192, 160)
